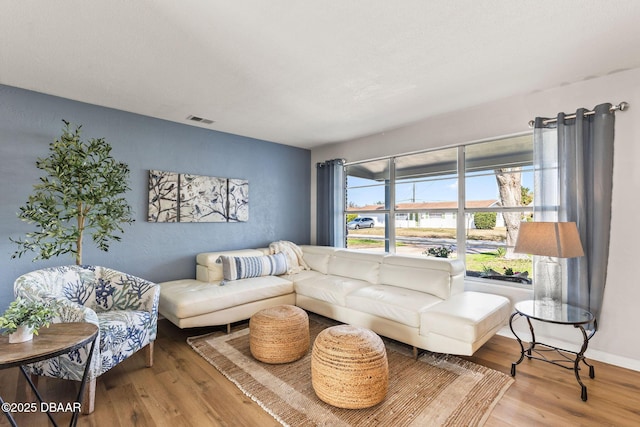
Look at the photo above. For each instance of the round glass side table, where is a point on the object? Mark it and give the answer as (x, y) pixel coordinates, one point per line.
(561, 314)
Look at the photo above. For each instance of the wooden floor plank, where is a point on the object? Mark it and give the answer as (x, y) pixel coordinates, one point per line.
(183, 389)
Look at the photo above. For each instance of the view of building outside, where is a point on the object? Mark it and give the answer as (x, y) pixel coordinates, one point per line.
(462, 202)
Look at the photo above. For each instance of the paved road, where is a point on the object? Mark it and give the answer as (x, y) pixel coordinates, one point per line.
(473, 246)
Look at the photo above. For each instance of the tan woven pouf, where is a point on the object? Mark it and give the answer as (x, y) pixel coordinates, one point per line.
(279, 334)
(349, 367)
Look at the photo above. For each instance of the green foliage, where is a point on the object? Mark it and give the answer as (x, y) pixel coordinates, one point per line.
(526, 196)
(440, 251)
(501, 252)
(484, 220)
(487, 271)
(34, 314)
(81, 191)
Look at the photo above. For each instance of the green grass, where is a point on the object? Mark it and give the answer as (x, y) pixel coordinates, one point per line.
(368, 243)
(478, 262)
(364, 242)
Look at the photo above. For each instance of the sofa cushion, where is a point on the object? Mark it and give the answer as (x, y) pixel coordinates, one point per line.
(391, 302)
(302, 275)
(234, 268)
(317, 257)
(332, 289)
(207, 270)
(466, 316)
(186, 298)
(356, 264)
(422, 274)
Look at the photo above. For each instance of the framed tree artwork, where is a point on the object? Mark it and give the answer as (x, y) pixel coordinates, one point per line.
(163, 196)
(175, 197)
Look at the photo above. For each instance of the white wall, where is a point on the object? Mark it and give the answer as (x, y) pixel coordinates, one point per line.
(617, 339)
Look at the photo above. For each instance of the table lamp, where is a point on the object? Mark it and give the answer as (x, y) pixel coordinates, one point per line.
(549, 240)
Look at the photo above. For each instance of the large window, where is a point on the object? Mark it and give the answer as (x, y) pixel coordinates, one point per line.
(463, 202)
(368, 196)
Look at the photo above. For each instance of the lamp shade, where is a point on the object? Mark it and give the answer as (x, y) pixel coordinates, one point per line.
(554, 239)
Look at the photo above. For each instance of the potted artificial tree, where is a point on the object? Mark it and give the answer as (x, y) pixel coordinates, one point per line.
(23, 319)
(81, 192)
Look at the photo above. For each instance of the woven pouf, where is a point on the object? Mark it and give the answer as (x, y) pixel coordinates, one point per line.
(279, 334)
(349, 367)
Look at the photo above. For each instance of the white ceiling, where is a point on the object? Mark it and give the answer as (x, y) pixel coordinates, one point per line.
(309, 72)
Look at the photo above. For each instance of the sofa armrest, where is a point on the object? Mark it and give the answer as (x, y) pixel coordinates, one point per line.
(210, 271)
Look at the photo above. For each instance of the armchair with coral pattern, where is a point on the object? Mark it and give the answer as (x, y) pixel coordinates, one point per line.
(124, 307)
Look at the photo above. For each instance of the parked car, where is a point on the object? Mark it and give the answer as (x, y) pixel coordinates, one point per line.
(363, 222)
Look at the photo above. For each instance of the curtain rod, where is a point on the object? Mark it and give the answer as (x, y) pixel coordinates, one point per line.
(622, 106)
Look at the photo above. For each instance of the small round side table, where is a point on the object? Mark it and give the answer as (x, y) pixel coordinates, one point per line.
(560, 314)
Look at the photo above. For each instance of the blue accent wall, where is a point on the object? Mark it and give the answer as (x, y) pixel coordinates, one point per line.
(278, 175)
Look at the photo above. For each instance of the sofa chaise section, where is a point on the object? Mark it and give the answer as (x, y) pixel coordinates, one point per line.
(464, 322)
(205, 301)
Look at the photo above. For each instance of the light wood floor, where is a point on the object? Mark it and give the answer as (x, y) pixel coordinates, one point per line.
(182, 389)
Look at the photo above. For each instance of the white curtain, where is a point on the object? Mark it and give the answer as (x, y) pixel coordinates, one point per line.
(573, 168)
(330, 229)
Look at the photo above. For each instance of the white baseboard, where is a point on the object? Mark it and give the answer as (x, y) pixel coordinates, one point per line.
(600, 356)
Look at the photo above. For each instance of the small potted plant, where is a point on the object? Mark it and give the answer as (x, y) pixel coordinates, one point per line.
(23, 319)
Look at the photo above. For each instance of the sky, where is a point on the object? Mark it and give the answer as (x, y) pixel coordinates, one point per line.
(482, 187)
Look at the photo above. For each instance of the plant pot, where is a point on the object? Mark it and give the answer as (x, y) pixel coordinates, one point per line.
(22, 334)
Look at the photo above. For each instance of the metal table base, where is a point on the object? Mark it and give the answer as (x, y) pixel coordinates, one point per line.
(558, 356)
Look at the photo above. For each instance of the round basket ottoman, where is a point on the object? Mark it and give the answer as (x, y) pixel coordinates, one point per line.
(279, 334)
(349, 367)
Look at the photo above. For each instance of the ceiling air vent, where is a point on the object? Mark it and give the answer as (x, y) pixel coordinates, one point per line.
(199, 120)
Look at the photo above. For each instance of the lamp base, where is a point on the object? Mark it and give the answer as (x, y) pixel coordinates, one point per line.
(547, 284)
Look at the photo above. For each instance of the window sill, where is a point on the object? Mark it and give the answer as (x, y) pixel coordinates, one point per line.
(514, 291)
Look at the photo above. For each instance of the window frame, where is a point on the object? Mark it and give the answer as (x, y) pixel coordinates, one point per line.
(390, 209)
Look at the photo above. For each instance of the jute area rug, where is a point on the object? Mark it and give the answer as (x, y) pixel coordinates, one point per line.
(435, 390)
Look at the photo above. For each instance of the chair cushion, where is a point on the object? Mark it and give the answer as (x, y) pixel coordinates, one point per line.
(122, 333)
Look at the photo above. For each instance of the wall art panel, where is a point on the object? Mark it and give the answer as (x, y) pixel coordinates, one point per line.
(163, 196)
(203, 198)
(175, 197)
(238, 200)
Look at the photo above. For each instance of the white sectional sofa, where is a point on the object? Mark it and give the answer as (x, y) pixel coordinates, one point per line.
(416, 300)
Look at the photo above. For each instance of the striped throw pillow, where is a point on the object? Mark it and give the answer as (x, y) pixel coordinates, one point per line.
(234, 268)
